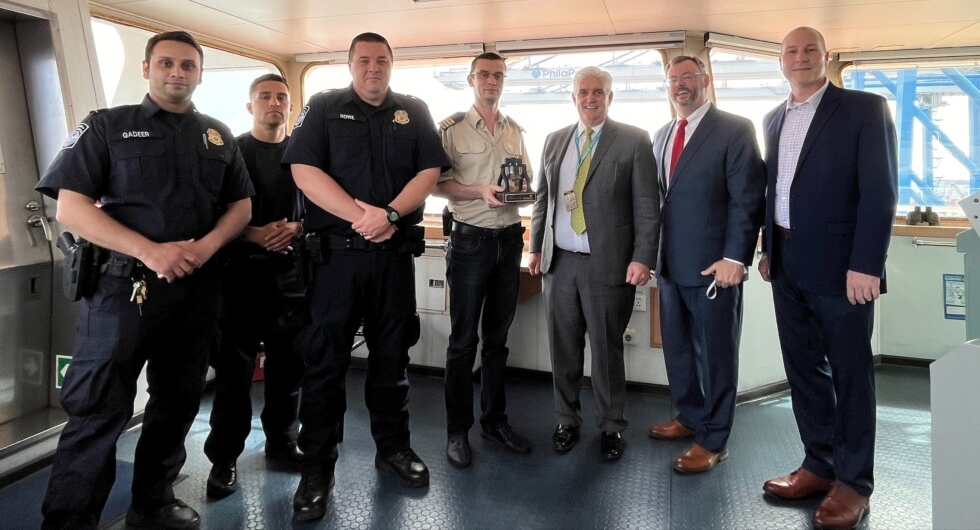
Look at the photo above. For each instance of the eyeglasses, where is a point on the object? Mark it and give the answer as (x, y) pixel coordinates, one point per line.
(686, 78)
(484, 75)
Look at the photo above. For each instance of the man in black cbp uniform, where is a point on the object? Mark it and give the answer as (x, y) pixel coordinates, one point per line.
(259, 302)
(172, 189)
(365, 158)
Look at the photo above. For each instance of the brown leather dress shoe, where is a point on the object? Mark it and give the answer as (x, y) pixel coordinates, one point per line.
(671, 430)
(799, 484)
(842, 509)
(697, 459)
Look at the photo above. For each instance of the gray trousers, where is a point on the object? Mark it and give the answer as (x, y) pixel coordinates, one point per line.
(576, 304)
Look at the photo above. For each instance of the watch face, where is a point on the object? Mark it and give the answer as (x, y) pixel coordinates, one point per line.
(392, 215)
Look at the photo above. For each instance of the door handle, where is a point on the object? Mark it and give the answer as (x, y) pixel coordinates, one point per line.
(42, 222)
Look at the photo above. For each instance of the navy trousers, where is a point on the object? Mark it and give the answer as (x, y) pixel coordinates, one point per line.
(376, 287)
(172, 336)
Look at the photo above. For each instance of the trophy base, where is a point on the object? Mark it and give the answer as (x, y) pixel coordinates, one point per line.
(516, 197)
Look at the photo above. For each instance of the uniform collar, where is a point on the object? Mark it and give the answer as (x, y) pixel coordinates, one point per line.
(474, 118)
(150, 108)
(354, 98)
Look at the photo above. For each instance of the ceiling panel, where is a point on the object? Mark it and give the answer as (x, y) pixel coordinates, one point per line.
(296, 9)
(178, 13)
(969, 36)
(468, 24)
(289, 27)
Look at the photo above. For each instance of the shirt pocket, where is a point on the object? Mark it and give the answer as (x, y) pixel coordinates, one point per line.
(350, 148)
(139, 165)
(512, 146)
(401, 147)
(214, 164)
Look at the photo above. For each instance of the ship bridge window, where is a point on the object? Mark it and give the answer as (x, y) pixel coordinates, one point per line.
(749, 85)
(936, 107)
(537, 91)
(222, 94)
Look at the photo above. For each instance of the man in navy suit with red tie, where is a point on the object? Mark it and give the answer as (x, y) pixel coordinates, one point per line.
(832, 176)
(712, 203)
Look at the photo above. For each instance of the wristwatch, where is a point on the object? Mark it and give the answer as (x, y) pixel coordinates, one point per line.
(393, 215)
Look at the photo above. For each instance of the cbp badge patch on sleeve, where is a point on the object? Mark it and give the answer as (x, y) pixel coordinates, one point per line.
(301, 117)
(75, 135)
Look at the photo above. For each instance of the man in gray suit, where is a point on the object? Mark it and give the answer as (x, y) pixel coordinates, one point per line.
(594, 232)
(712, 198)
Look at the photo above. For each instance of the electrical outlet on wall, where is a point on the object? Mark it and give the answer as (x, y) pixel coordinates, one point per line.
(640, 301)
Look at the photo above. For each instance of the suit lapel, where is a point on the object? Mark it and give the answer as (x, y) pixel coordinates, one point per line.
(660, 146)
(773, 129)
(562, 141)
(828, 104)
(704, 128)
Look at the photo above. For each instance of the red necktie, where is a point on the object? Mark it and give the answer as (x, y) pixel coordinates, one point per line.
(675, 151)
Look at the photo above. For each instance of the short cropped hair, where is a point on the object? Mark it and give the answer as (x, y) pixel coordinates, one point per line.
(592, 71)
(367, 37)
(179, 36)
(486, 56)
(263, 79)
(682, 58)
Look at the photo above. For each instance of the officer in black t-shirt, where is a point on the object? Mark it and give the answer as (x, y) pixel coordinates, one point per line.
(261, 303)
(365, 158)
(171, 190)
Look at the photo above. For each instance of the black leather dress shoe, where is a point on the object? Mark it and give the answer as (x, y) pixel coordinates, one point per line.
(458, 450)
(407, 465)
(564, 438)
(173, 516)
(287, 454)
(310, 499)
(222, 481)
(612, 445)
(504, 435)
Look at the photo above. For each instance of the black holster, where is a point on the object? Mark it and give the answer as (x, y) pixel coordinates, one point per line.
(447, 221)
(81, 269)
(301, 263)
(412, 240)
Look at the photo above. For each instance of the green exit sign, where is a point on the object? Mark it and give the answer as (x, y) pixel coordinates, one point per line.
(61, 368)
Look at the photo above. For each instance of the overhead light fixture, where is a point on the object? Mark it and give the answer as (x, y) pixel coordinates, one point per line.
(741, 44)
(916, 56)
(402, 54)
(663, 39)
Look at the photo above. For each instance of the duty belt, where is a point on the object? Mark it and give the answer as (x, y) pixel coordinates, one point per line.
(487, 233)
(335, 242)
(118, 264)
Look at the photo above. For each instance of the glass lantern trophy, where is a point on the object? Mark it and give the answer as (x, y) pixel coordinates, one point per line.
(517, 186)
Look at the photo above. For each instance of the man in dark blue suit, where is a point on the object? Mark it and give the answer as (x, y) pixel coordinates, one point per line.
(830, 206)
(712, 202)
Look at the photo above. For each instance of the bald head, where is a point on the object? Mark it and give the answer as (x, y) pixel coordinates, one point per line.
(803, 58)
(806, 33)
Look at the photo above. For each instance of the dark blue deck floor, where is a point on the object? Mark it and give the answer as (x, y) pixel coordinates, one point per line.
(544, 490)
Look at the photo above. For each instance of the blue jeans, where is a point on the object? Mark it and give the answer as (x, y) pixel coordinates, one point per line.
(484, 278)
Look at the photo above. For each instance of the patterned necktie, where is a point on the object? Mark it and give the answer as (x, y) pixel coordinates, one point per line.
(675, 151)
(578, 214)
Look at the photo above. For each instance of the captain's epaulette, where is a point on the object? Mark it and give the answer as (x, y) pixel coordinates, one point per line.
(452, 120)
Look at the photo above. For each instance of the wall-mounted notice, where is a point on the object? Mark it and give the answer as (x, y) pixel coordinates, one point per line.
(954, 293)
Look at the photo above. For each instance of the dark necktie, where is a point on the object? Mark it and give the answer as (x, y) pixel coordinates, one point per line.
(675, 151)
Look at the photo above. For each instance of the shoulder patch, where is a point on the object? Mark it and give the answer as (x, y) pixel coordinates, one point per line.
(74, 136)
(515, 124)
(301, 117)
(452, 120)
